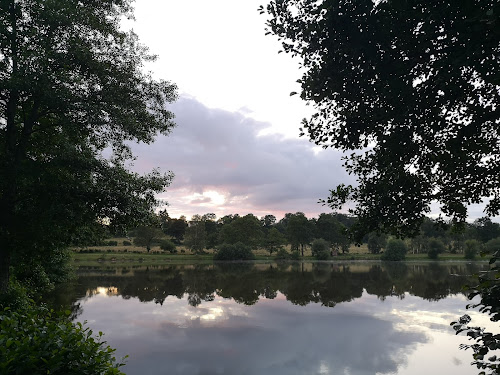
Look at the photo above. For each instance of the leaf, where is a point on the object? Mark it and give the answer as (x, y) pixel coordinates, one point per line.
(293, 93)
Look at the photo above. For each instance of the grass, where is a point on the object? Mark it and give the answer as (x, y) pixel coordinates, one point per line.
(128, 255)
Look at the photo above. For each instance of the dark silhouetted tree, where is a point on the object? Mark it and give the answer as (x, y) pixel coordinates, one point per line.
(72, 85)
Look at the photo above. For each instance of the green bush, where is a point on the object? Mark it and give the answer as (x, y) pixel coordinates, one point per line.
(472, 247)
(38, 341)
(167, 245)
(282, 254)
(395, 250)
(111, 243)
(237, 251)
(320, 249)
(127, 243)
(436, 247)
(16, 297)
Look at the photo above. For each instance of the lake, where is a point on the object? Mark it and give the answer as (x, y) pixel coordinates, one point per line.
(303, 318)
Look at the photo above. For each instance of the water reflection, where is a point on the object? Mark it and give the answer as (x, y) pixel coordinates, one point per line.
(301, 284)
(272, 319)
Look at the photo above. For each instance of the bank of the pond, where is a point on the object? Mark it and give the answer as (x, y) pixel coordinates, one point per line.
(121, 258)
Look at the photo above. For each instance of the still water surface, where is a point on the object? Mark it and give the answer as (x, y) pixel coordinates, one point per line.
(353, 318)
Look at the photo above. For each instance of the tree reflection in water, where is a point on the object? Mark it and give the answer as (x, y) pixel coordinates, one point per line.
(246, 283)
(185, 316)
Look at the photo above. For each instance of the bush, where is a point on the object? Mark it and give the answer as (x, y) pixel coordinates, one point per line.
(320, 249)
(127, 243)
(472, 247)
(282, 254)
(38, 341)
(111, 243)
(167, 245)
(237, 251)
(395, 250)
(436, 247)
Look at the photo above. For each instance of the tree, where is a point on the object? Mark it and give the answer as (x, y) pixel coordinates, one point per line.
(299, 231)
(196, 235)
(167, 245)
(411, 84)
(320, 249)
(395, 250)
(212, 230)
(274, 240)
(415, 86)
(177, 228)
(72, 86)
(246, 229)
(145, 236)
(435, 247)
(486, 230)
(376, 242)
(472, 248)
(268, 221)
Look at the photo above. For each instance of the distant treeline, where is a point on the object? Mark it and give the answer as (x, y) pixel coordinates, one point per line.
(295, 229)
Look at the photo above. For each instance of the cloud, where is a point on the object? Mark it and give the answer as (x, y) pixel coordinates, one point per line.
(223, 164)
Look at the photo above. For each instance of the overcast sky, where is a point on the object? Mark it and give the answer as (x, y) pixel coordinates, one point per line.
(235, 148)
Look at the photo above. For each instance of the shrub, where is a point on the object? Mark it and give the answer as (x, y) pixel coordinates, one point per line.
(167, 245)
(320, 249)
(237, 251)
(127, 243)
(436, 247)
(38, 341)
(282, 254)
(471, 249)
(395, 250)
(111, 243)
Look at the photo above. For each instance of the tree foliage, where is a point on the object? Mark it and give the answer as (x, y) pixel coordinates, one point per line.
(395, 250)
(486, 344)
(320, 249)
(236, 251)
(195, 236)
(274, 240)
(299, 231)
(376, 242)
(71, 86)
(145, 236)
(435, 247)
(415, 85)
(245, 229)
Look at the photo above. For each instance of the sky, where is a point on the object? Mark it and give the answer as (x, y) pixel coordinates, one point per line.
(236, 147)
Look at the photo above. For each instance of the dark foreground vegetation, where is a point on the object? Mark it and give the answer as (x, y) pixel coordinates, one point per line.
(406, 90)
(71, 86)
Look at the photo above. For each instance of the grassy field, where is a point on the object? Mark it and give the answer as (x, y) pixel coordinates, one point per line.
(124, 254)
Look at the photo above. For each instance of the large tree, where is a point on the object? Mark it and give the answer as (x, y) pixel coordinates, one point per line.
(299, 231)
(73, 93)
(414, 85)
(196, 234)
(245, 229)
